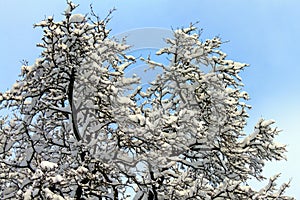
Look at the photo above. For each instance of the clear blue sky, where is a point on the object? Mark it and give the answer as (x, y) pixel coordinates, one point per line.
(264, 34)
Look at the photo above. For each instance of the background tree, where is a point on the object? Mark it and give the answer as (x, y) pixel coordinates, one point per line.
(73, 130)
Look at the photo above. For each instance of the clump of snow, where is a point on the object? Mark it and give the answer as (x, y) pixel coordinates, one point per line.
(42, 23)
(26, 69)
(46, 165)
(125, 100)
(171, 119)
(267, 123)
(50, 195)
(138, 118)
(123, 66)
(56, 179)
(82, 170)
(77, 18)
(27, 194)
(130, 57)
(38, 173)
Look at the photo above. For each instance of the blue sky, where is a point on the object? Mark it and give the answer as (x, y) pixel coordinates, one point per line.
(264, 34)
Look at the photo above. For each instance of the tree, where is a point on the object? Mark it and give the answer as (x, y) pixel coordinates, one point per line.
(73, 129)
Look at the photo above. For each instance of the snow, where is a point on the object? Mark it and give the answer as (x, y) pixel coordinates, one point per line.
(46, 165)
(170, 136)
(56, 179)
(179, 118)
(266, 123)
(27, 194)
(130, 57)
(50, 195)
(124, 100)
(12, 123)
(138, 118)
(171, 119)
(249, 138)
(139, 196)
(26, 69)
(66, 109)
(77, 18)
(42, 23)
(123, 66)
(82, 170)
(69, 8)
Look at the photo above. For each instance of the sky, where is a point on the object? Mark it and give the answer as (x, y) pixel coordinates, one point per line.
(264, 34)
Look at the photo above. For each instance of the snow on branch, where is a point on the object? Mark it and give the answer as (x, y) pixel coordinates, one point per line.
(75, 127)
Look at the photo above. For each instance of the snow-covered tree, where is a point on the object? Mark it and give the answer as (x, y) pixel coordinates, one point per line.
(73, 130)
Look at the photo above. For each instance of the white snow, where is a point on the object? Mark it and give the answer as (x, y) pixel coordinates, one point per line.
(46, 165)
(42, 23)
(27, 194)
(249, 138)
(202, 121)
(68, 9)
(171, 119)
(50, 195)
(56, 179)
(267, 123)
(77, 18)
(130, 57)
(124, 100)
(82, 169)
(123, 66)
(138, 118)
(26, 69)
